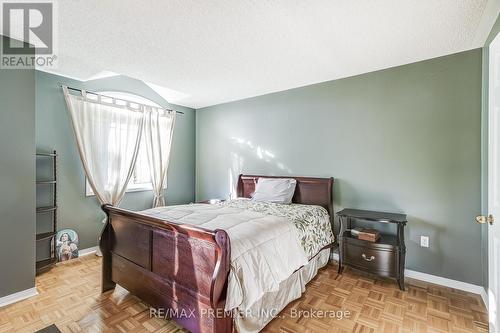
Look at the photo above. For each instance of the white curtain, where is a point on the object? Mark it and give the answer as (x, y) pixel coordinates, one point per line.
(108, 133)
(158, 131)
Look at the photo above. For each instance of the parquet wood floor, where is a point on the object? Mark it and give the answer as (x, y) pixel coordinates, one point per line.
(69, 296)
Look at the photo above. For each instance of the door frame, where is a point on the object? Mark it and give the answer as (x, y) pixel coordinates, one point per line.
(493, 318)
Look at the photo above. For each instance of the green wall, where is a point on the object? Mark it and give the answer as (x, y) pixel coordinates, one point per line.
(405, 139)
(53, 131)
(17, 180)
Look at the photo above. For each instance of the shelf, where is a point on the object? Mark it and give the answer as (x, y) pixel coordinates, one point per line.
(45, 235)
(385, 240)
(46, 154)
(45, 182)
(49, 208)
(368, 215)
(44, 262)
(44, 265)
(45, 209)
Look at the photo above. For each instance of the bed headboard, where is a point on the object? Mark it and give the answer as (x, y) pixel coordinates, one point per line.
(309, 190)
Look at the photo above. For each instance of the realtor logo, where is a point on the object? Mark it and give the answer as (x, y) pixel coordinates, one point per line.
(30, 26)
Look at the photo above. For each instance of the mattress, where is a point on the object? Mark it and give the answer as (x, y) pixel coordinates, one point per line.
(312, 223)
(265, 309)
(269, 243)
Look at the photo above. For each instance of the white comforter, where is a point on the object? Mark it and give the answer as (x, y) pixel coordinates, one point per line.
(265, 249)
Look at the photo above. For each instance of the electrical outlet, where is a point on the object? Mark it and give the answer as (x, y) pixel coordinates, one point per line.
(424, 241)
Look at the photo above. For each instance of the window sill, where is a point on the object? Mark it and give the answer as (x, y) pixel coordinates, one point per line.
(133, 189)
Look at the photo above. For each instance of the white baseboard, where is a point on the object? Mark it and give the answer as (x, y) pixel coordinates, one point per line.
(469, 287)
(85, 252)
(484, 296)
(19, 296)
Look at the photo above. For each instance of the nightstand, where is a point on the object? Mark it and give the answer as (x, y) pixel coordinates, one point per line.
(385, 257)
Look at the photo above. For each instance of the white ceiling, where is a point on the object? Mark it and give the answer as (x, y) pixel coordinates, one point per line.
(205, 52)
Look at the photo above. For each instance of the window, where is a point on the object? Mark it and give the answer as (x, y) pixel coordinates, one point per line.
(141, 179)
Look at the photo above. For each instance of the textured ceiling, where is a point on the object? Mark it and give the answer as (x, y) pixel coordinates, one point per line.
(208, 52)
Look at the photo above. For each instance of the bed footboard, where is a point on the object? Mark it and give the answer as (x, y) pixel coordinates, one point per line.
(181, 271)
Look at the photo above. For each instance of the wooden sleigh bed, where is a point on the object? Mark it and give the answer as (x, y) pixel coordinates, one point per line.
(183, 268)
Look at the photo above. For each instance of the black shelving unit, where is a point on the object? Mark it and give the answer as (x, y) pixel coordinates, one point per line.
(43, 265)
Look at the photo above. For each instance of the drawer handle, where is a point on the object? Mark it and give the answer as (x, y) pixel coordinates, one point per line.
(367, 259)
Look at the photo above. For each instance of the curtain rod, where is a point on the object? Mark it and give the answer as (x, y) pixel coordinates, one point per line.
(95, 93)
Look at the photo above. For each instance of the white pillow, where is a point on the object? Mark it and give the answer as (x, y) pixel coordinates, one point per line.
(278, 190)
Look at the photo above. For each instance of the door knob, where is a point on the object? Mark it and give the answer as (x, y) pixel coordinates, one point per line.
(483, 219)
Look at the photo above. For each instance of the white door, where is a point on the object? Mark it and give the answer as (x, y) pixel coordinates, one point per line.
(494, 186)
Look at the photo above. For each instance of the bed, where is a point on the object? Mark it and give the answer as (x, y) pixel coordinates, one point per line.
(226, 267)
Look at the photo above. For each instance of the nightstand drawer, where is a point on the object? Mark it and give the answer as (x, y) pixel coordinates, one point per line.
(379, 261)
